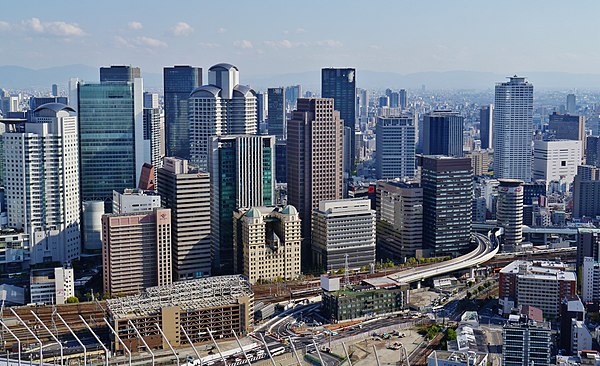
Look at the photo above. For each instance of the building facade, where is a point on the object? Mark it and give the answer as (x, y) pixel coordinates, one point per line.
(556, 160)
(526, 342)
(447, 192)
(443, 133)
(267, 243)
(153, 124)
(134, 200)
(42, 194)
(343, 231)
(586, 192)
(395, 147)
(314, 159)
(486, 126)
(242, 175)
(277, 121)
(399, 208)
(179, 82)
(52, 286)
(136, 251)
(567, 127)
(186, 192)
(223, 107)
(513, 129)
(509, 213)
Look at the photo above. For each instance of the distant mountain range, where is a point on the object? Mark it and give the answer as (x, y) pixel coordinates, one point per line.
(17, 77)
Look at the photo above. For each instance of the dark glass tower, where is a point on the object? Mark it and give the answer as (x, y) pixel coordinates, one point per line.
(179, 82)
(276, 112)
(443, 134)
(486, 115)
(119, 73)
(340, 84)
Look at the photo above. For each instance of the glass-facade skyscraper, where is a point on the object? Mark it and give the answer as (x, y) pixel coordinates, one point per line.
(242, 173)
(443, 134)
(111, 138)
(340, 84)
(277, 123)
(179, 82)
(395, 147)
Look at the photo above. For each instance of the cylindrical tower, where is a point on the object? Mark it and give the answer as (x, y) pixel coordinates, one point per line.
(509, 212)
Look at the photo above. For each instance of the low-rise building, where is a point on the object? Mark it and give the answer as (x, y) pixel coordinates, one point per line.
(14, 251)
(371, 298)
(52, 286)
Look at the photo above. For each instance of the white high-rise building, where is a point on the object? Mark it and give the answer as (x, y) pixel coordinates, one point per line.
(43, 193)
(513, 129)
(556, 160)
(221, 108)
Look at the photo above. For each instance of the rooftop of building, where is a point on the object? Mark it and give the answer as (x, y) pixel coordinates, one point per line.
(136, 192)
(466, 358)
(209, 292)
(523, 320)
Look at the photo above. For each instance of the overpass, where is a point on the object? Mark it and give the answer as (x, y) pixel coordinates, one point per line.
(487, 248)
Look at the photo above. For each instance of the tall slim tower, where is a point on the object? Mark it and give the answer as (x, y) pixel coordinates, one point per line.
(513, 129)
(340, 84)
(509, 212)
(112, 146)
(277, 123)
(223, 107)
(486, 123)
(443, 133)
(314, 159)
(42, 193)
(571, 104)
(152, 123)
(186, 191)
(395, 147)
(403, 99)
(242, 175)
(179, 82)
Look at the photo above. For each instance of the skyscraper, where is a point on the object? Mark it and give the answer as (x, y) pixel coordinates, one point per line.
(571, 104)
(447, 192)
(314, 159)
(111, 137)
(121, 73)
(340, 84)
(242, 175)
(277, 124)
(486, 123)
(292, 93)
(592, 150)
(42, 192)
(152, 122)
(513, 129)
(179, 82)
(223, 107)
(443, 134)
(186, 191)
(567, 127)
(403, 99)
(509, 213)
(556, 160)
(395, 147)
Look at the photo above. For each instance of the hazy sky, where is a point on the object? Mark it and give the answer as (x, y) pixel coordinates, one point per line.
(263, 37)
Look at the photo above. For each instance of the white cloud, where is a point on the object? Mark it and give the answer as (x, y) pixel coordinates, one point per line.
(209, 45)
(4, 26)
(330, 43)
(244, 44)
(182, 29)
(122, 42)
(150, 42)
(221, 30)
(284, 43)
(135, 25)
(60, 29)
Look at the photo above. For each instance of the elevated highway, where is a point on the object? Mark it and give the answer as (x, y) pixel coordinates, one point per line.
(487, 248)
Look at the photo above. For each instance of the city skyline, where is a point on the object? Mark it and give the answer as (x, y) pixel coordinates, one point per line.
(303, 42)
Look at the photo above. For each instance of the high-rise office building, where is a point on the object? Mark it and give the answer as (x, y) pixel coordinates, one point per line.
(509, 213)
(223, 107)
(571, 104)
(281, 161)
(526, 342)
(241, 172)
(443, 134)
(486, 126)
(120, 73)
(556, 160)
(588, 245)
(54, 90)
(269, 241)
(480, 162)
(395, 147)
(277, 124)
(42, 189)
(394, 100)
(592, 151)
(292, 93)
(262, 101)
(447, 192)
(314, 159)
(567, 127)
(340, 84)
(399, 208)
(179, 82)
(403, 99)
(513, 129)
(111, 136)
(186, 192)
(343, 231)
(586, 192)
(136, 251)
(152, 124)
(363, 102)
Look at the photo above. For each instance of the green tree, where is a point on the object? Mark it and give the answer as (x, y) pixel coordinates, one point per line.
(450, 334)
(72, 300)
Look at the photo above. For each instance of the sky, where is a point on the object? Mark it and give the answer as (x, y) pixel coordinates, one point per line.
(279, 37)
